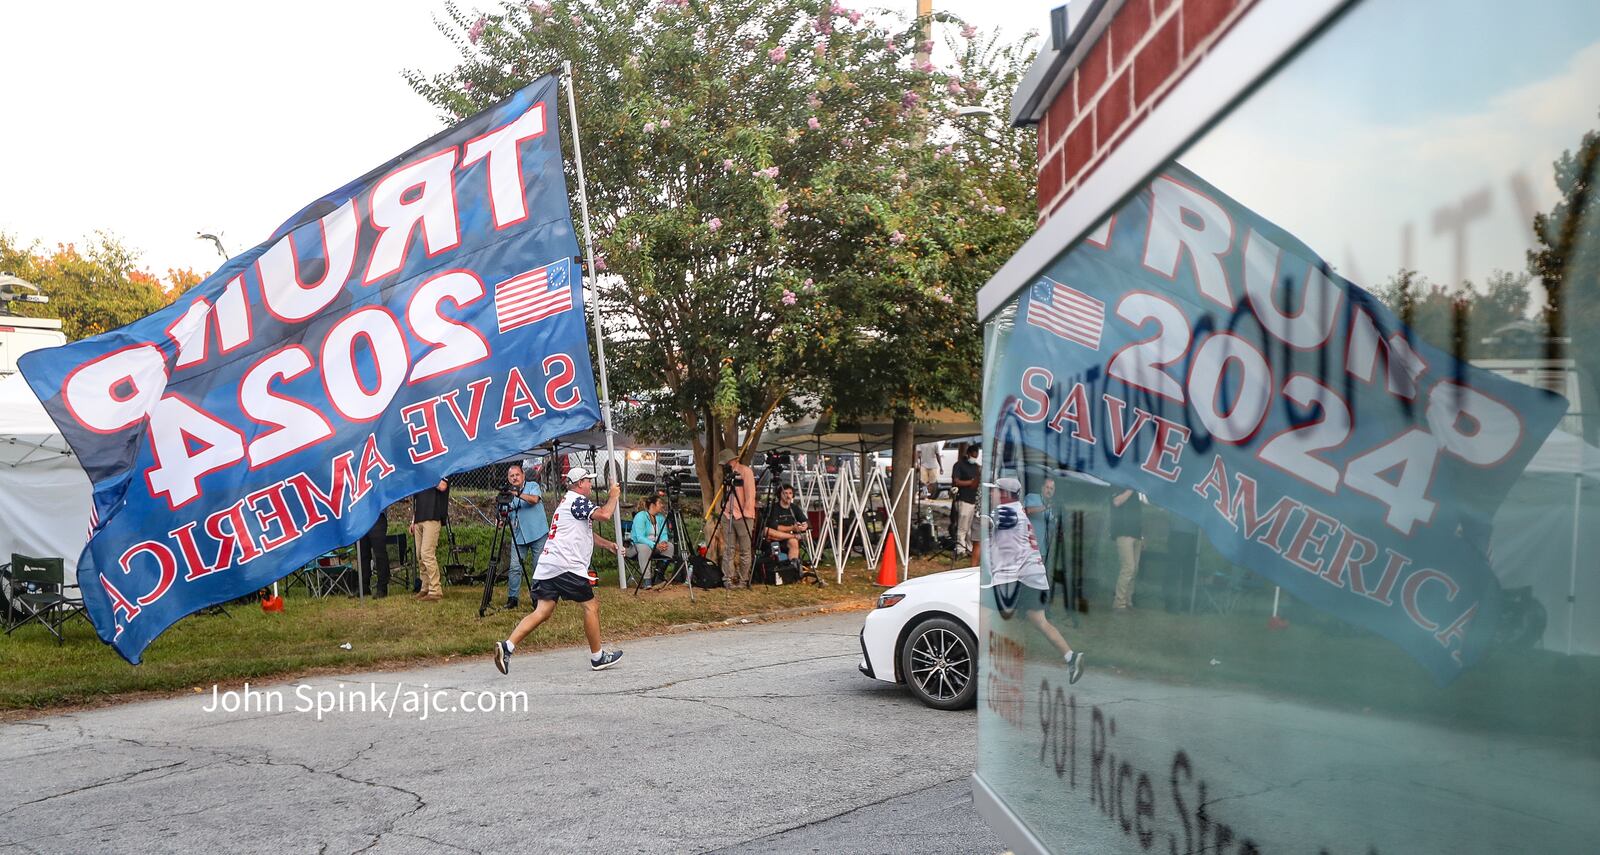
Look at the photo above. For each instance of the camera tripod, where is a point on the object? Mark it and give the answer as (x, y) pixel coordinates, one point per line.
(506, 534)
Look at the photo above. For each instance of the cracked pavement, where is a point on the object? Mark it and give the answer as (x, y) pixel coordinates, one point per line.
(753, 738)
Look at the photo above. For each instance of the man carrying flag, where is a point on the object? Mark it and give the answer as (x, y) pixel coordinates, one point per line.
(1019, 581)
(563, 572)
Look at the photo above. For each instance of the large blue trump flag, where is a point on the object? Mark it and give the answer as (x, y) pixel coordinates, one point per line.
(421, 320)
(1195, 351)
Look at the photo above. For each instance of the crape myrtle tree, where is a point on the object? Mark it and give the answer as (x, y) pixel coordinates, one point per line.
(722, 141)
(956, 206)
(92, 289)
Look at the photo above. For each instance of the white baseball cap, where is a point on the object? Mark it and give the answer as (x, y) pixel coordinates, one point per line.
(1008, 484)
(578, 473)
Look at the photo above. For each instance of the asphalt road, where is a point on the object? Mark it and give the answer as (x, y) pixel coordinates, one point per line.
(759, 738)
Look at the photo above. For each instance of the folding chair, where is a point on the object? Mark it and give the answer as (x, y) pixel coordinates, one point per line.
(400, 568)
(1223, 589)
(38, 595)
(333, 573)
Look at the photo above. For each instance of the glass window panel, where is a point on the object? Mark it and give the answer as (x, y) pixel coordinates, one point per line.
(1317, 406)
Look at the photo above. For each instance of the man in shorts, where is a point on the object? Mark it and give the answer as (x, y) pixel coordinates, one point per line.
(563, 572)
(1018, 582)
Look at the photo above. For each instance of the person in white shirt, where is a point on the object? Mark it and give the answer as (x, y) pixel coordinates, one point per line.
(564, 573)
(1018, 580)
(929, 466)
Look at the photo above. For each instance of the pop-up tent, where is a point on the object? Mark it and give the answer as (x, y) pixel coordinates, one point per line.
(44, 493)
(1547, 537)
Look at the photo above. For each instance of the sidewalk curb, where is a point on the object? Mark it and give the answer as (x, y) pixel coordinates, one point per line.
(778, 614)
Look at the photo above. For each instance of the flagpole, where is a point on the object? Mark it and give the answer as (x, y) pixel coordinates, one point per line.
(594, 305)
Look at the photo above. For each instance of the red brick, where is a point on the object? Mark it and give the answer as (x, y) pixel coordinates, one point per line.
(1061, 115)
(1079, 149)
(1042, 140)
(1050, 180)
(1156, 63)
(1114, 107)
(1092, 74)
(1127, 28)
(1201, 18)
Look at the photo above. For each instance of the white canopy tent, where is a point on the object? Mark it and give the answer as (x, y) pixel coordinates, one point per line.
(1546, 538)
(44, 493)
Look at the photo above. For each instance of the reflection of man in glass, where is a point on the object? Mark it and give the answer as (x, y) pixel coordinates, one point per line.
(1018, 579)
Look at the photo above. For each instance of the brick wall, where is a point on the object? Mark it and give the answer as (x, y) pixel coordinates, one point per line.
(1148, 47)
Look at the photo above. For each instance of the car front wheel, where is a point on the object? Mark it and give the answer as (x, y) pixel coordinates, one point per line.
(940, 663)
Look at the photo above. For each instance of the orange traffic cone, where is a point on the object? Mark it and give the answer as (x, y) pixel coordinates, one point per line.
(889, 564)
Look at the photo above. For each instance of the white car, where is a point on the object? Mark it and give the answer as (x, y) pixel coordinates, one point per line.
(924, 633)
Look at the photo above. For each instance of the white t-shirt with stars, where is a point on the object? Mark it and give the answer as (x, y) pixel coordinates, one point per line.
(571, 543)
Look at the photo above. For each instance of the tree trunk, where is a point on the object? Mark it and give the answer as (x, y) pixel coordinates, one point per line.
(903, 462)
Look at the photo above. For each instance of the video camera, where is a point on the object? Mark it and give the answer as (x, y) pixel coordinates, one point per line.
(505, 500)
(672, 483)
(777, 461)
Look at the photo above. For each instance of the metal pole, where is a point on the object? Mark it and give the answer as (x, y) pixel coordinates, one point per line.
(594, 305)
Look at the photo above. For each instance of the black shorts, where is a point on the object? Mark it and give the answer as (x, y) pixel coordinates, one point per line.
(567, 586)
(1013, 597)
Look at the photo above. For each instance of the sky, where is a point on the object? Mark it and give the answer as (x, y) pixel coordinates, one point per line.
(1408, 116)
(157, 121)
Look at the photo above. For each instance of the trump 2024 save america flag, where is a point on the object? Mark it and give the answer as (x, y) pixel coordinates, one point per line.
(356, 357)
(1195, 351)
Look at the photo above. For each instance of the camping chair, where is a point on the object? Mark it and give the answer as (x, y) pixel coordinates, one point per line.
(1222, 589)
(38, 595)
(400, 569)
(333, 573)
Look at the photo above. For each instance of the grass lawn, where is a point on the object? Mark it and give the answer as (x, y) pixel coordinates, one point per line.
(36, 674)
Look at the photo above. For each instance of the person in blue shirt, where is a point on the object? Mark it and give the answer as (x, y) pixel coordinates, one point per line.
(529, 528)
(649, 534)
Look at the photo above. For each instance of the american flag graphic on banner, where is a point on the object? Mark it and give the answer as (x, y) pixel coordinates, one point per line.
(1068, 313)
(534, 295)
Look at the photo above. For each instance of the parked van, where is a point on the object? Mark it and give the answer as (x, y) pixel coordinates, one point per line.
(20, 335)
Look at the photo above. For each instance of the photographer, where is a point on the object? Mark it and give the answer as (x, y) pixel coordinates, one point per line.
(785, 523)
(529, 527)
(738, 519)
(650, 536)
(964, 477)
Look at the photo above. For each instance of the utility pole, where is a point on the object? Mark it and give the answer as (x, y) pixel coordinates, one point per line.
(924, 14)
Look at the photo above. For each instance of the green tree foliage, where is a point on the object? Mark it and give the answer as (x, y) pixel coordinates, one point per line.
(1567, 258)
(751, 165)
(1466, 321)
(94, 289)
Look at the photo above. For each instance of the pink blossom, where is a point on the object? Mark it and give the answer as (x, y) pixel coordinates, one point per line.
(727, 164)
(824, 24)
(813, 124)
(714, 224)
(910, 99)
(813, 101)
(789, 298)
(948, 150)
(778, 54)
(599, 263)
(897, 238)
(539, 7)
(924, 65)
(969, 31)
(954, 86)
(821, 49)
(999, 209)
(838, 9)
(868, 123)
(783, 208)
(925, 47)
(769, 172)
(890, 46)
(666, 123)
(809, 284)
(577, 20)
(467, 85)
(476, 31)
(649, 127)
(855, 17)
